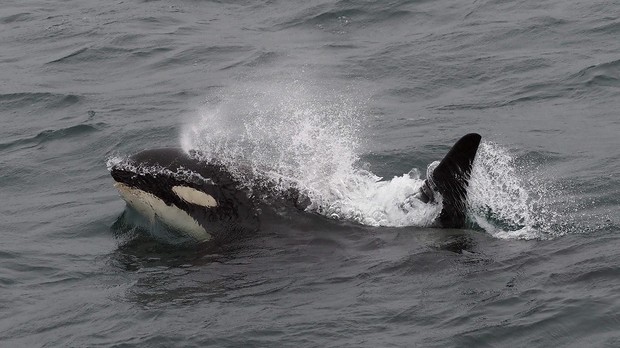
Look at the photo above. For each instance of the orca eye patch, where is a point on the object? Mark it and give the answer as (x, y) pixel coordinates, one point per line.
(194, 196)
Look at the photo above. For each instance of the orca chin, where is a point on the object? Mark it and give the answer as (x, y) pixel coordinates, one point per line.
(203, 200)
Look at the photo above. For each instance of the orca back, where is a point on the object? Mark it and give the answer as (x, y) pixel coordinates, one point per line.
(451, 179)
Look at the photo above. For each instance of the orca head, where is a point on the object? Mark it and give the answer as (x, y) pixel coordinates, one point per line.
(193, 197)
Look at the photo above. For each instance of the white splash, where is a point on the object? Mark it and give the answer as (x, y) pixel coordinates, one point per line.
(504, 203)
(123, 162)
(292, 136)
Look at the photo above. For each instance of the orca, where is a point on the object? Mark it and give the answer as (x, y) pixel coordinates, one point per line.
(205, 201)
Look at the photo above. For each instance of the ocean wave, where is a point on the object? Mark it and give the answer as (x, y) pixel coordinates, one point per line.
(54, 134)
(9, 101)
(90, 54)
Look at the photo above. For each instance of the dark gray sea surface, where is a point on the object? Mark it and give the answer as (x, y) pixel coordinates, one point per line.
(332, 96)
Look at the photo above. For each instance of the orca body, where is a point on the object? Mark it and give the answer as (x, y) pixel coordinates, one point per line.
(205, 201)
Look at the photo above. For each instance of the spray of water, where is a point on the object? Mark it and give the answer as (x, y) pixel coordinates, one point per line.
(294, 137)
(509, 201)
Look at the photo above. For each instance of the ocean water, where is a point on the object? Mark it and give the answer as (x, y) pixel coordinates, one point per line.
(350, 101)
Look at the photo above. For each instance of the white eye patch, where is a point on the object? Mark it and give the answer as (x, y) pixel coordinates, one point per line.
(194, 196)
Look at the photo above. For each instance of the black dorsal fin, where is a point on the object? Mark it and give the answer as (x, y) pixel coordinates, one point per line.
(451, 178)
